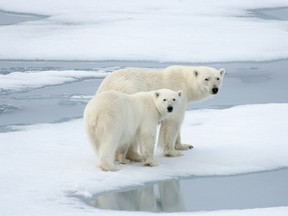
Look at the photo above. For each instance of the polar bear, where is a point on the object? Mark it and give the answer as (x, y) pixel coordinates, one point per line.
(114, 121)
(197, 83)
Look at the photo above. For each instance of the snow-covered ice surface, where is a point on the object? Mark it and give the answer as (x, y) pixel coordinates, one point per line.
(45, 167)
(163, 30)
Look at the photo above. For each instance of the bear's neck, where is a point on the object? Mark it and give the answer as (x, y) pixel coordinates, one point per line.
(194, 91)
(197, 93)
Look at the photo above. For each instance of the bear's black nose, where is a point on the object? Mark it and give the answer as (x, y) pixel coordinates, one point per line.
(214, 90)
(170, 108)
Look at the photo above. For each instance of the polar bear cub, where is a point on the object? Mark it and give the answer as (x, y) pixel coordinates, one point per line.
(114, 121)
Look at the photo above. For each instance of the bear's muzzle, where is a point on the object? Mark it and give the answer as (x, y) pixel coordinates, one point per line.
(169, 108)
(215, 90)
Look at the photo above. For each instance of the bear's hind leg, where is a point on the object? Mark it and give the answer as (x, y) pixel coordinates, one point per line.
(109, 166)
(121, 159)
(107, 155)
(121, 154)
(132, 153)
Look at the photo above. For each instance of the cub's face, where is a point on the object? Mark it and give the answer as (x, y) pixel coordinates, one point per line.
(210, 80)
(167, 101)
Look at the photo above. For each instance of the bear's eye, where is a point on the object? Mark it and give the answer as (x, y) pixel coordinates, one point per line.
(164, 99)
(218, 78)
(206, 79)
(174, 99)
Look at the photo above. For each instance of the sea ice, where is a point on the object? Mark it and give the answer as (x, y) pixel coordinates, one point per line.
(43, 165)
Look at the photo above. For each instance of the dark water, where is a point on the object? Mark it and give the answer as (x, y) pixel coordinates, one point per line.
(11, 18)
(272, 13)
(258, 190)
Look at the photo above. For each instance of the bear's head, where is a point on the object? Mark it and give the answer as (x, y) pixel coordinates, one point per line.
(209, 79)
(167, 101)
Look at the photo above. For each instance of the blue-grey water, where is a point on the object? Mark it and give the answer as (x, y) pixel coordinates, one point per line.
(11, 18)
(256, 190)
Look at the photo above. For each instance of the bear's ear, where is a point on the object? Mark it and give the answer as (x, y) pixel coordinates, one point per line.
(157, 94)
(222, 71)
(195, 73)
(179, 93)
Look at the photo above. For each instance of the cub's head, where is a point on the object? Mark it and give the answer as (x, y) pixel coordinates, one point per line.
(167, 101)
(209, 79)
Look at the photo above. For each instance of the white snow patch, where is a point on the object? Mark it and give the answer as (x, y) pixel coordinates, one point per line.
(163, 30)
(18, 81)
(41, 165)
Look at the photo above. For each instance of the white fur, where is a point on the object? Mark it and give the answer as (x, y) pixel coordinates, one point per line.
(195, 82)
(117, 122)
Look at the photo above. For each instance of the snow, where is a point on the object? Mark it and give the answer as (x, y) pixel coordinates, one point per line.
(19, 81)
(43, 166)
(163, 30)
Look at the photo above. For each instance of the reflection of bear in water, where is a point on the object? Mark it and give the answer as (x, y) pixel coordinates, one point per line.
(197, 83)
(116, 122)
(167, 198)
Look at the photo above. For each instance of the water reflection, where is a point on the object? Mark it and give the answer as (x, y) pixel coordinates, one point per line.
(162, 197)
(257, 190)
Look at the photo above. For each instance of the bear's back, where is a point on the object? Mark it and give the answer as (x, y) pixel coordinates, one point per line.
(131, 80)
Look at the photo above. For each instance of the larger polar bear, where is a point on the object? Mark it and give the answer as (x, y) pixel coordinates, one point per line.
(114, 121)
(197, 83)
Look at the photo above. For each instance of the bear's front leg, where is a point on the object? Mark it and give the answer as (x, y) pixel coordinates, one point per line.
(181, 146)
(147, 147)
(167, 138)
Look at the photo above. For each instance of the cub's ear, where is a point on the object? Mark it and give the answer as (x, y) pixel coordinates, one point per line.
(157, 94)
(195, 73)
(222, 71)
(179, 93)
